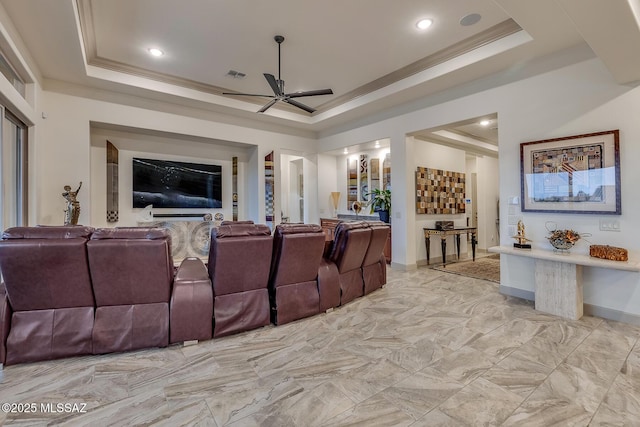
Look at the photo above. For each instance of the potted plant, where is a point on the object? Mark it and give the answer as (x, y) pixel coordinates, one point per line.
(380, 202)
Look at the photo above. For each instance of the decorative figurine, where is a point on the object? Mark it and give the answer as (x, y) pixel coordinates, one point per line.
(146, 215)
(72, 213)
(357, 207)
(520, 237)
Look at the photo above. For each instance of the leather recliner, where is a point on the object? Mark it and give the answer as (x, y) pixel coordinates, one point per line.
(47, 308)
(374, 265)
(293, 283)
(349, 249)
(239, 264)
(132, 274)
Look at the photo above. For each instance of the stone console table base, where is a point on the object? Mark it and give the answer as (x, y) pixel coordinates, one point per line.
(558, 278)
(559, 288)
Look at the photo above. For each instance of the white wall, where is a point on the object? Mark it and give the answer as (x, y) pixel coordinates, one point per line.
(488, 194)
(436, 156)
(63, 149)
(576, 99)
(327, 183)
(135, 145)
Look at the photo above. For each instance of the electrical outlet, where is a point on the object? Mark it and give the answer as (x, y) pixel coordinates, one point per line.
(609, 225)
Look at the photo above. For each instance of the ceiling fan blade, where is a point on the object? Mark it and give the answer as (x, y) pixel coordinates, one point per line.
(299, 105)
(246, 94)
(273, 83)
(310, 93)
(267, 106)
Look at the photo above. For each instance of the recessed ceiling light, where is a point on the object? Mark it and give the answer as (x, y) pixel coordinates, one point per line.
(470, 19)
(423, 24)
(485, 122)
(377, 144)
(346, 151)
(155, 51)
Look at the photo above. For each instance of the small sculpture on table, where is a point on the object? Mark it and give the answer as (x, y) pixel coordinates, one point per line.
(521, 240)
(146, 214)
(357, 207)
(72, 213)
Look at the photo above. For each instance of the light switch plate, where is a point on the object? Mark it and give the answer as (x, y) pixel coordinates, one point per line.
(609, 225)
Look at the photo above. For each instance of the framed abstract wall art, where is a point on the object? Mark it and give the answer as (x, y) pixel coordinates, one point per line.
(439, 191)
(574, 174)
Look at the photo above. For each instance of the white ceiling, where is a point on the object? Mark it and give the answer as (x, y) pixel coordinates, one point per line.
(368, 51)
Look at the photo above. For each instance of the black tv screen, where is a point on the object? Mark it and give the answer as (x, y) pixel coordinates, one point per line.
(169, 184)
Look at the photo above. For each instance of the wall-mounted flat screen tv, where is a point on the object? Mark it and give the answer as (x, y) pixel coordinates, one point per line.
(169, 184)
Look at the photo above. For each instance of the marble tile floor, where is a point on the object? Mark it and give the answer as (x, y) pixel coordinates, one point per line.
(430, 349)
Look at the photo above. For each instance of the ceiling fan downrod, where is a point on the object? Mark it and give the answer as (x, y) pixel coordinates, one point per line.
(279, 40)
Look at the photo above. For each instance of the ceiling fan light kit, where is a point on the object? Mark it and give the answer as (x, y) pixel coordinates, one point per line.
(277, 86)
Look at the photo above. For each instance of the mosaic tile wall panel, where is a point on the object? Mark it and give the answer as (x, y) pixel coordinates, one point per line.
(364, 178)
(375, 174)
(439, 191)
(268, 189)
(234, 186)
(352, 182)
(112, 183)
(386, 172)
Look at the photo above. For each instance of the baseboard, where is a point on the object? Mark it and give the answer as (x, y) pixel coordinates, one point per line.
(588, 309)
(518, 293)
(403, 267)
(611, 314)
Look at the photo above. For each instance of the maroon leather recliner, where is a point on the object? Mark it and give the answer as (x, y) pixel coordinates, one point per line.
(374, 265)
(293, 284)
(47, 308)
(239, 264)
(349, 249)
(132, 274)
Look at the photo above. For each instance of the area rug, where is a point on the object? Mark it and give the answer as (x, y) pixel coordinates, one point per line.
(485, 268)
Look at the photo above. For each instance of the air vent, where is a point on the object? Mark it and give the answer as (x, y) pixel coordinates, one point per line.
(236, 74)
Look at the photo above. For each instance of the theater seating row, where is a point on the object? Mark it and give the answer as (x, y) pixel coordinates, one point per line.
(75, 290)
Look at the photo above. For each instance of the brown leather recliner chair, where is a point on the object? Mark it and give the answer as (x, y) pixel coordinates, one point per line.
(293, 283)
(48, 299)
(374, 265)
(349, 248)
(239, 264)
(132, 273)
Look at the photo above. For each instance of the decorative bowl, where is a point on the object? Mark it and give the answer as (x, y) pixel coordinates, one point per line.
(563, 240)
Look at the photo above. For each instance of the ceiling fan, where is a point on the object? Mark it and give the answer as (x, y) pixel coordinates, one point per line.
(278, 89)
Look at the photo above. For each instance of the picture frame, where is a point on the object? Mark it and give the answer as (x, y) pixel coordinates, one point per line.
(577, 174)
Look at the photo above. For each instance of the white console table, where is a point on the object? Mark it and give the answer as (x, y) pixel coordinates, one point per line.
(558, 278)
